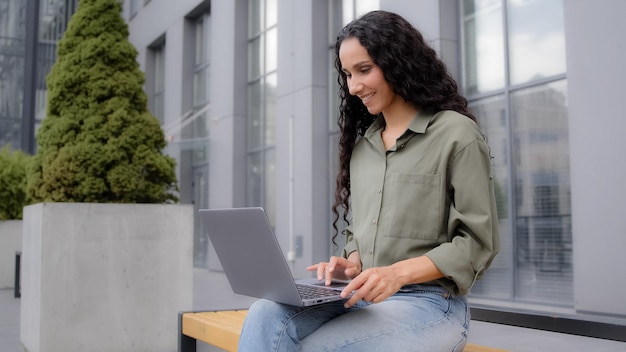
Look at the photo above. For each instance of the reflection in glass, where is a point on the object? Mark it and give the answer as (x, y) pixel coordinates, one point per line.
(255, 17)
(536, 39)
(198, 130)
(262, 97)
(271, 50)
(364, 6)
(269, 202)
(333, 91)
(255, 179)
(255, 61)
(200, 240)
(200, 55)
(158, 98)
(271, 13)
(352, 9)
(255, 125)
(497, 281)
(11, 86)
(271, 98)
(159, 68)
(483, 46)
(199, 87)
(542, 193)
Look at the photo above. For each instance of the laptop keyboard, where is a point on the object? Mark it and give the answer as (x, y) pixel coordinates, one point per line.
(310, 292)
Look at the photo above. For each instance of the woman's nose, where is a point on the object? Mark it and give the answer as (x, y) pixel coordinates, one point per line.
(354, 86)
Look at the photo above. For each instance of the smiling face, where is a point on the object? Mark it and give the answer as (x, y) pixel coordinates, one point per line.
(365, 79)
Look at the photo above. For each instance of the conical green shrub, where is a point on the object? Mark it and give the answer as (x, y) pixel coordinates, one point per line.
(98, 142)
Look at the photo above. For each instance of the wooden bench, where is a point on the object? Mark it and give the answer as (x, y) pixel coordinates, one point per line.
(222, 329)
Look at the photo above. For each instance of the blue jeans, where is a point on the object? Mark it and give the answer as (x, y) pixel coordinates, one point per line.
(418, 318)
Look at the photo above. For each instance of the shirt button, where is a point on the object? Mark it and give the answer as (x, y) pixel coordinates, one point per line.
(379, 190)
(374, 222)
(371, 251)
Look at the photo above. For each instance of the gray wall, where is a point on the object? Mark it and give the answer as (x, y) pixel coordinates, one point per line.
(596, 52)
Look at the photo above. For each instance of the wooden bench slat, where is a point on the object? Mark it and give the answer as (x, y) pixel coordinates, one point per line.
(222, 329)
(228, 318)
(471, 347)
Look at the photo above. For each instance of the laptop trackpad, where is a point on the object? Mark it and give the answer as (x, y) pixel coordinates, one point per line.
(335, 284)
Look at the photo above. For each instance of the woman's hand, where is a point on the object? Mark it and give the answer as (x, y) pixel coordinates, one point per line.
(338, 268)
(379, 283)
(373, 285)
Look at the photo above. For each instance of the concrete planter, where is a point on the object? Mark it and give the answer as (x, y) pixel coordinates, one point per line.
(10, 242)
(105, 277)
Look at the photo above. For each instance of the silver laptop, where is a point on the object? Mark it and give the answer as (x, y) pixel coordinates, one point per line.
(253, 261)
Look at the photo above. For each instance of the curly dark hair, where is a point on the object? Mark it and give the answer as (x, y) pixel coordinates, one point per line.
(412, 69)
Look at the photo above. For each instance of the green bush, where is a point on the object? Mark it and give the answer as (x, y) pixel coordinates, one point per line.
(13, 167)
(98, 142)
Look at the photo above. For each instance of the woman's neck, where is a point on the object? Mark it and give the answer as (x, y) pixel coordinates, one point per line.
(397, 121)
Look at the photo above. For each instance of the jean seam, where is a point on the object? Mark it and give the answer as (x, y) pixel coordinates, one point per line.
(286, 322)
(285, 325)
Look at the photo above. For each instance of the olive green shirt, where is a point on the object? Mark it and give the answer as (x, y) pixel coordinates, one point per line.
(430, 194)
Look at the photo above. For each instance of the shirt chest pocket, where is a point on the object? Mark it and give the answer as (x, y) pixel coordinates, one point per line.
(414, 204)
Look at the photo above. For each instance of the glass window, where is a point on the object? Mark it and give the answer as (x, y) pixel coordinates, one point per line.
(201, 191)
(270, 183)
(255, 67)
(255, 179)
(200, 82)
(536, 39)
(527, 130)
(542, 190)
(194, 141)
(262, 97)
(483, 46)
(271, 13)
(200, 52)
(200, 95)
(491, 115)
(271, 50)
(351, 9)
(255, 124)
(271, 98)
(255, 17)
(156, 69)
(199, 87)
(262, 180)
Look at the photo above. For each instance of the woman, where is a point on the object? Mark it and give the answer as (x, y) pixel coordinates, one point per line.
(414, 184)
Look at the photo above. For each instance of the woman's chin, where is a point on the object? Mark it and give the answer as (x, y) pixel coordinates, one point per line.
(372, 110)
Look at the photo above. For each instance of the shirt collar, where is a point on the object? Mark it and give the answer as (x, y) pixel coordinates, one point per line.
(419, 124)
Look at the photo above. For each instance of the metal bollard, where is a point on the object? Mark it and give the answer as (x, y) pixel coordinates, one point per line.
(17, 291)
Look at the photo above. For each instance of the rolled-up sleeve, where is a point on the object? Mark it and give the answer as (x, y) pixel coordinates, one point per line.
(472, 222)
(351, 245)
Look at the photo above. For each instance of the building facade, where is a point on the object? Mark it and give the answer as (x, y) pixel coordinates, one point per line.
(246, 93)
